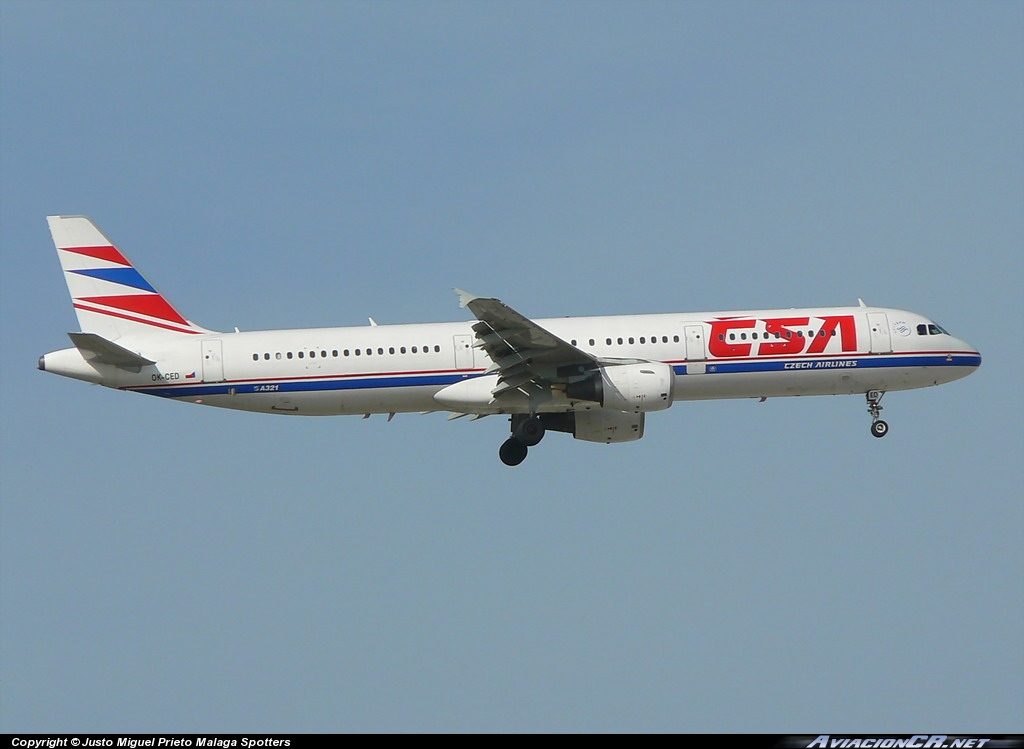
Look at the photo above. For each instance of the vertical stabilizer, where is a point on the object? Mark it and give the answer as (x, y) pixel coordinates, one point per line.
(111, 297)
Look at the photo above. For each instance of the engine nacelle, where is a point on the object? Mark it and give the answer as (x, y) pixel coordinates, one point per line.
(608, 426)
(636, 388)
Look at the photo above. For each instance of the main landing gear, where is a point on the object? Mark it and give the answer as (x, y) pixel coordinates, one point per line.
(527, 431)
(879, 428)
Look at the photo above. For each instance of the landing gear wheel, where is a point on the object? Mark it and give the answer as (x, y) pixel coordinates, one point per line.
(512, 452)
(529, 431)
(878, 427)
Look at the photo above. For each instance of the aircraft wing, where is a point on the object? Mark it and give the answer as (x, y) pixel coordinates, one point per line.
(527, 357)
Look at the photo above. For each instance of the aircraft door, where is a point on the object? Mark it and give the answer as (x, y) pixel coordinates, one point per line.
(213, 361)
(463, 351)
(696, 355)
(878, 324)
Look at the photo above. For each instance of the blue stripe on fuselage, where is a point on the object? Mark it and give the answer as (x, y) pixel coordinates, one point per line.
(712, 367)
(301, 386)
(835, 363)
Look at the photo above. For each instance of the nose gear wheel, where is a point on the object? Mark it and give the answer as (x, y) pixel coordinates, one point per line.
(879, 428)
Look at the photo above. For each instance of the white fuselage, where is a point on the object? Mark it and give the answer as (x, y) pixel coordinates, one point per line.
(401, 368)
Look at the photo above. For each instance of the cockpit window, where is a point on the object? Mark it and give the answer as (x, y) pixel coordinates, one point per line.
(931, 329)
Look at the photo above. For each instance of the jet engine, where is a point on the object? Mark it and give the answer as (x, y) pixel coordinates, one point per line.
(636, 388)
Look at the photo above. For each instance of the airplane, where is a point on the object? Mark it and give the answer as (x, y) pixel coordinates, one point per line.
(595, 378)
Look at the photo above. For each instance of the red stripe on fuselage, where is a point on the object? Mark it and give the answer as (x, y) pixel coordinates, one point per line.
(304, 378)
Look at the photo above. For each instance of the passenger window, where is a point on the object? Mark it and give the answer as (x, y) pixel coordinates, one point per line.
(591, 341)
(437, 349)
(391, 350)
(289, 354)
(335, 353)
(255, 357)
(414, 349)
(631, 340)
(402, 349)
(608, 341)
(664, 339)
(277, 355)
(346, 352)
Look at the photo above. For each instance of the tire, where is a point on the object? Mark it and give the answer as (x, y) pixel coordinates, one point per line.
(530, 432)
(879, 428)
(512, 452)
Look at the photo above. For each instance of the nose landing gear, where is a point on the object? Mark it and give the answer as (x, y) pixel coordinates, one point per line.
(879, 428)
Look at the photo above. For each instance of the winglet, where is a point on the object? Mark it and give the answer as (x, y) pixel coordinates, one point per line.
(465, 297)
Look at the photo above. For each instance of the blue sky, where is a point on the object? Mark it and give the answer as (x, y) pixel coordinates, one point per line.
(745, 567)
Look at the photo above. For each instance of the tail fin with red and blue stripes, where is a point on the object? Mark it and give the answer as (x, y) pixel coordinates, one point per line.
(111, 297)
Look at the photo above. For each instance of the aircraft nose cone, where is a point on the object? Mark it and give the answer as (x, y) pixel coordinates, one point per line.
(970, 351)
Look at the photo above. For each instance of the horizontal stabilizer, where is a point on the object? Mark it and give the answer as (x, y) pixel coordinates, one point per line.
(98, 349)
